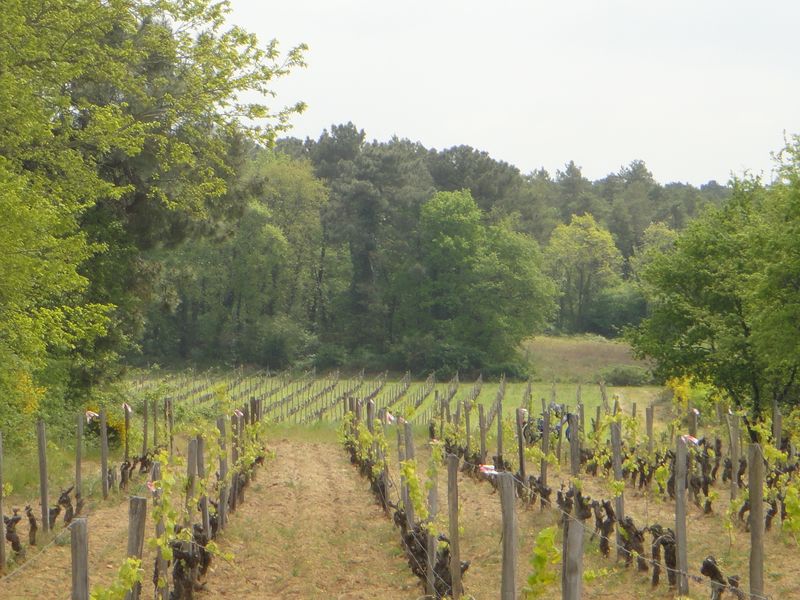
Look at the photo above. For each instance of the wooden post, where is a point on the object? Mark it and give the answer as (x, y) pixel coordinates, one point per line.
(648, 418)
(433, 508)
(191, 472)
(680, 516)
(234, 489)
(371, 416)
(127, 431)
(604, 397)
(137, 517)
(452, 506)
(2, 522)
(633, 409)
(574, 445)
(467, 410)
(144, 428)
(693, 422)
(170, 424)
(43, 489)
(201, 473)
(756, 483)
(616, 460)
(500, 432)
(581, 416)
(104, 453)
(155, 423)
(79, 546)
(573, 566)
(78, 461)
(482, 426)
(521, 444)
(508, 586)
(733, 431)
(161, 583)
(777, 424)
(545, 448)
(401, 457)
(222, 509)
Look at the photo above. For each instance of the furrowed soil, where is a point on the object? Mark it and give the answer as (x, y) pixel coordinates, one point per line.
(309, 528)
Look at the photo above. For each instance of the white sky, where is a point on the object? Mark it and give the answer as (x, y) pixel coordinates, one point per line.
(698, 89)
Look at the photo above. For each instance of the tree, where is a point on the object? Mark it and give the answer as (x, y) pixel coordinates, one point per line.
(478, 290)
(583, 260)
(708, 314)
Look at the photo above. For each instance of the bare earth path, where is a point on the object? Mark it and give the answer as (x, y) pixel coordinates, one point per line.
(309, 529)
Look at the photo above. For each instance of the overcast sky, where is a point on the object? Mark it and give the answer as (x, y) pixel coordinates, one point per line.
(697, 89)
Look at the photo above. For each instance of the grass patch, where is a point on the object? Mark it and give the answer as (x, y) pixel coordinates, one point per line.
(578, 359)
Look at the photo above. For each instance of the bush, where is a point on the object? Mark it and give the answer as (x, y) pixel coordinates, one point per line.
(626, 375)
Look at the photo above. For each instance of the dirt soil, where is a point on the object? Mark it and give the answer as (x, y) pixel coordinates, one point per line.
(309, 529)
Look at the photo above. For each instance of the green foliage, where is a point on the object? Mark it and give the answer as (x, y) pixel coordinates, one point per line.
(130, 573)
(712, 308)
(544, 556)
(625, 375)
(583, 260)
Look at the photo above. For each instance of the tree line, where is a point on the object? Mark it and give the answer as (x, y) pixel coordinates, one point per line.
(389, 254)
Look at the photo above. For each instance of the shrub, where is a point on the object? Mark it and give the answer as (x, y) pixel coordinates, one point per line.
(626, 375)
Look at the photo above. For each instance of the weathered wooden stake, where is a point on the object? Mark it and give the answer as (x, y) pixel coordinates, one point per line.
(170, 423)
(680, 516)
(648, 418)
(573, 567)
(616, 460)
(777, 424)
(508, 586)
(433, 508)
(467, 410)
(452, 506)
(693, 422)
(104, 453)
(482, 426)
(201, 473)
(222, 515)
(137, 517)
(79, 546)
(191, 473)
(733, 432)
(371, 416)
(161, 582)
(78, 461)
(574, 445)
(155, 423)
(144, 428)
(756, 482)
(500, 433)
(545, 448)
(521, 418)
(43, 487)
(127, 432)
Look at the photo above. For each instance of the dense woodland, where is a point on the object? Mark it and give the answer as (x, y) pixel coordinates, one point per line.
(151, 215)
(388, 254)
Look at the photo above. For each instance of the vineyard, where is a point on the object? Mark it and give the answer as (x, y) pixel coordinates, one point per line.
(302, 485)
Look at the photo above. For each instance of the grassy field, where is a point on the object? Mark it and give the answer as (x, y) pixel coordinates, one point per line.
(579, 359)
